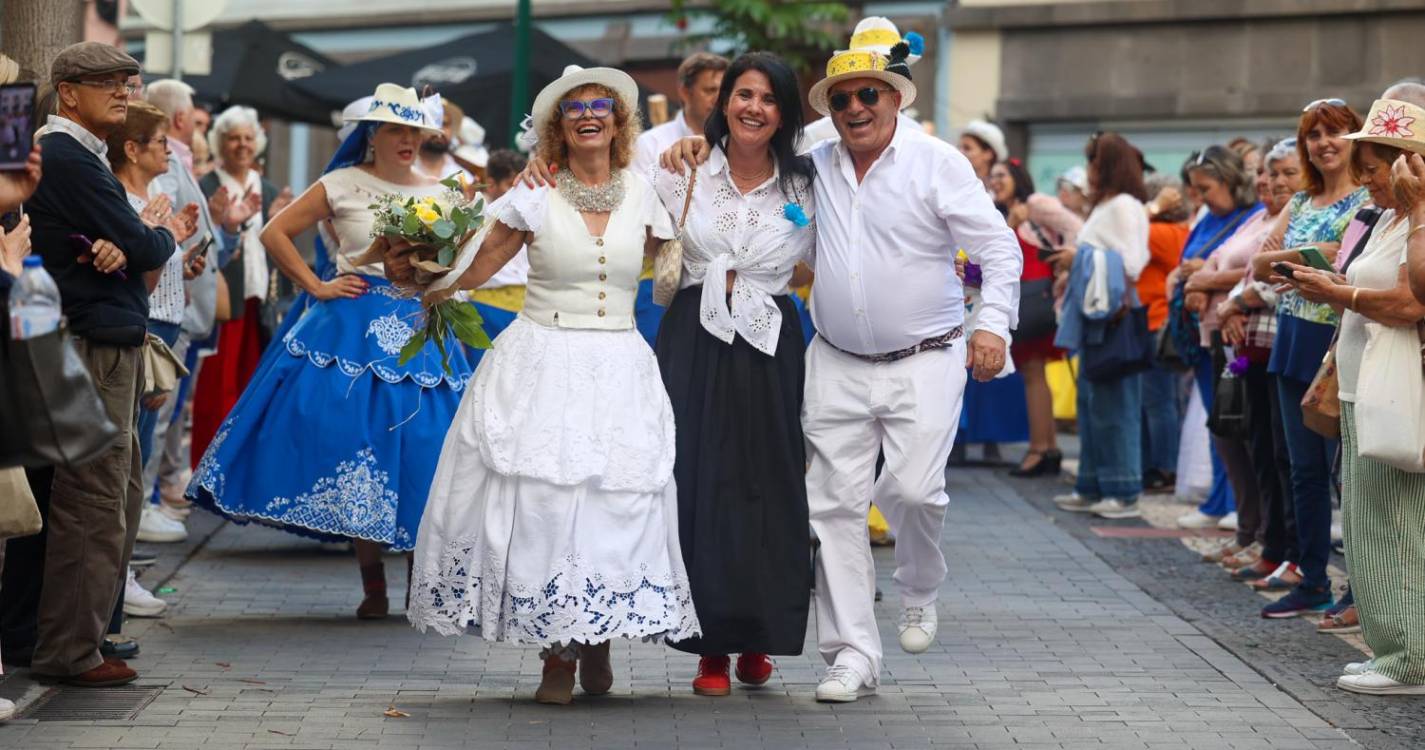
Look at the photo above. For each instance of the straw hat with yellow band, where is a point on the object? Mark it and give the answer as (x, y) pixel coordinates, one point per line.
(1394, 123)
(853, 64)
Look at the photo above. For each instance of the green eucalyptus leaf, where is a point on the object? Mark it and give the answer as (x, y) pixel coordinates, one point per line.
(412, 348)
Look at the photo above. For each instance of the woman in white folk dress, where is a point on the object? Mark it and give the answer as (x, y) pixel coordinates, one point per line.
(553, 518)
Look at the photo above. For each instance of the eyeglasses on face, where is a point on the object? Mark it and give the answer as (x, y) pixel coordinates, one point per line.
(869, 96)
(575, 109)
(110, 86)
(1333, 102)
(161, 140)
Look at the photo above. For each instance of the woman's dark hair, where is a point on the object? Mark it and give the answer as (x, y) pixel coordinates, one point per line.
(793, 168)
(1115, 168)
(1023, 182)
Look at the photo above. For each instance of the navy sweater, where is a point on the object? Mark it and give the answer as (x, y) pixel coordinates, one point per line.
(80, 195)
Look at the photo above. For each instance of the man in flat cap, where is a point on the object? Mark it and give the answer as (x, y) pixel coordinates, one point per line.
(99, 250)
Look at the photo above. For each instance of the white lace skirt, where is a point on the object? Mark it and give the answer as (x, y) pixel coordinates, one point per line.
(553, 514)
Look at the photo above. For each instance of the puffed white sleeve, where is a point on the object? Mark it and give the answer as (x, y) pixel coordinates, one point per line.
(522, 208)
(655, 215)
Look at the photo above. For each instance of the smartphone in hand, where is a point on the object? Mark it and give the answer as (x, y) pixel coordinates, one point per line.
(1313, 257)
(1283, 269)
(17, 136)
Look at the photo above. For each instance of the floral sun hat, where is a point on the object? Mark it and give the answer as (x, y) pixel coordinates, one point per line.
(1394, 123)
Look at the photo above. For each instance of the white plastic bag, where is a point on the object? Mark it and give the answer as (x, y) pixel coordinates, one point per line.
(1390, 398)
(1194, 454)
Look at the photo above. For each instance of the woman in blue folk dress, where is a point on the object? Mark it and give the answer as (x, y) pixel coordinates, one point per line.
(333, 439)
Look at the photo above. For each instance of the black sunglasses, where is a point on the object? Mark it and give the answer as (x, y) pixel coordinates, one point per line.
(869, 96)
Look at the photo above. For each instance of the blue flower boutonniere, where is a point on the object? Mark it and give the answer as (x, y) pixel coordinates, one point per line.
(795, 214)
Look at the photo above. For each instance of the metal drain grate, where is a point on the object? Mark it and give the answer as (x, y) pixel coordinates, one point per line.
(90, 704)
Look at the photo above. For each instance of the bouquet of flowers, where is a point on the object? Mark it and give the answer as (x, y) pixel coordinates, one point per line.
(438, 228)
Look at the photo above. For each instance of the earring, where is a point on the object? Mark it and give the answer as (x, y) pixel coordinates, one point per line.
(370, 152)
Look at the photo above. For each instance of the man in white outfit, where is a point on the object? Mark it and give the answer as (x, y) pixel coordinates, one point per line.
(887, 370)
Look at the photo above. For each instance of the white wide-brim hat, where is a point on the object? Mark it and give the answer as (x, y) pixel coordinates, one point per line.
(991, 135)
(850, 64)
(546, 104)
(402, 106)
(1393, 123)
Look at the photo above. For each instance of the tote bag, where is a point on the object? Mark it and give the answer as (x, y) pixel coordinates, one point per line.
(1390, 398)
(48, 404)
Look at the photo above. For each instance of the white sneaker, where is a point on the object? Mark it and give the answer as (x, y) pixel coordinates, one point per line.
(1357, 668)
(1074, 503)
(842, 685)
(154, 527)
(1198, 520)
(7, 709)
(1114, 508)
(1375, 683)
(1338, 533)
(139, 601)
(917, 628)
(177, 514)
(1228, 522)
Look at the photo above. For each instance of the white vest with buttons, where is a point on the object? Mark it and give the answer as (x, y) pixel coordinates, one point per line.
(577, 280)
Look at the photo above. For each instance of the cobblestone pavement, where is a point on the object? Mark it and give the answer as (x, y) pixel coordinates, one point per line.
(1042, 644)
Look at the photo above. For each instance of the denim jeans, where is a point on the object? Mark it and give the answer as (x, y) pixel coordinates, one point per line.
(149, 417)
(1161, 420)
(1267, 448)
(1110, 438)
(1219, 500)
(1312, 457)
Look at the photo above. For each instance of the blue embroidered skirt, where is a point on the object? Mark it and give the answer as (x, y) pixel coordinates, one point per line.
(332, 439)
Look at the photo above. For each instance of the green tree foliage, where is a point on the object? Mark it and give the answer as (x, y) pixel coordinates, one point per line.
(802, 33)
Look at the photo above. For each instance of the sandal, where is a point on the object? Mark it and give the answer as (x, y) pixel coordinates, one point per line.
(1284, 578)
(1345, 621)
(1221, 553)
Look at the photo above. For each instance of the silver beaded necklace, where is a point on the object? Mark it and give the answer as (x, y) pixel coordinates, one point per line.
(600, 198)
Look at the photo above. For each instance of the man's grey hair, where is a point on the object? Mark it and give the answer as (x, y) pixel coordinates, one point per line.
(1407, 90)
(169, 95)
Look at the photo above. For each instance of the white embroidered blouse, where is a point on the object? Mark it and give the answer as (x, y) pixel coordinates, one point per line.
(748, 233)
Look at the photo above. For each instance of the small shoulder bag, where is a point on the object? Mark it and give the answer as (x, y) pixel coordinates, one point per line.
(668, 264)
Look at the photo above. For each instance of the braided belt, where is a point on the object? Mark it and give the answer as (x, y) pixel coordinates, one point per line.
(942, 341)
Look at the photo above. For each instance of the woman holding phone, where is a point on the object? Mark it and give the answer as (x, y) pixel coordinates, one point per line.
(1316, 216)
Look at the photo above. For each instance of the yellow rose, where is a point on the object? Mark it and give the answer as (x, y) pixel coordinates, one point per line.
(427, 215)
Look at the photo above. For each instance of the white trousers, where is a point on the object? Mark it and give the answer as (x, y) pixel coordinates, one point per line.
(853, 410)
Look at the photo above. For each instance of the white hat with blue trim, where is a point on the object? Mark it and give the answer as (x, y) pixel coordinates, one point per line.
(402, 106)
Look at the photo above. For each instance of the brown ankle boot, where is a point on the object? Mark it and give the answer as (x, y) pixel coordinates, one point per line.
(557, 684)
(596, 675)
(373, 582)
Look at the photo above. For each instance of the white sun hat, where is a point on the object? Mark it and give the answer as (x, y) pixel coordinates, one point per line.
(879, 34)
(990, 134)
(1394, 123)
(402, 106)
(546, 104)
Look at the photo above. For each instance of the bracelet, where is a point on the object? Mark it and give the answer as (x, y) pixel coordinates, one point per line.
(1413, 231)
(1354, 295)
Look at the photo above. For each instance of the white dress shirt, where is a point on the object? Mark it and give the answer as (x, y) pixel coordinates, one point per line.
(748, 233)
(885, 249)
(653, 142)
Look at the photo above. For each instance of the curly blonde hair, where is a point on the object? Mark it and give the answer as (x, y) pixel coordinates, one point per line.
(627, 126)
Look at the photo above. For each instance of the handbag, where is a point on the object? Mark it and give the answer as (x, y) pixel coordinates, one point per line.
(161, 368)
(1126, 349)
(1321, 406)
(1390, 398)
(1166, 353)
(1231, 412)
(668, 263)
(19, 516)
(1036, 309)
(51, 411)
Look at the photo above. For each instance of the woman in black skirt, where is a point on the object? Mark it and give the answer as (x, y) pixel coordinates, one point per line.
(730, 350)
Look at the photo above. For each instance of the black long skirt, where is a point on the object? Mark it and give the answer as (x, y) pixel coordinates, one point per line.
(742, 504)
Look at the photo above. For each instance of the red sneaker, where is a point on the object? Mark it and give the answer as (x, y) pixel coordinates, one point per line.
(712, 676)
(753, 669)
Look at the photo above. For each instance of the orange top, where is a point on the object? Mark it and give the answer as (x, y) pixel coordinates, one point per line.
(1165, 248)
